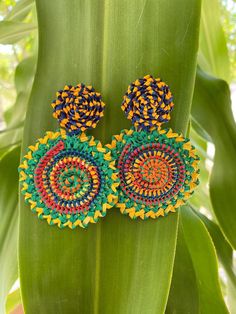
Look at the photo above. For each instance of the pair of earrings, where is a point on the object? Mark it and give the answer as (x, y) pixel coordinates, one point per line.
(70, 179)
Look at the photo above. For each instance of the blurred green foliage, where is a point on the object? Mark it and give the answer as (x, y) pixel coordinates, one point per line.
(12, 55)
(228, 18)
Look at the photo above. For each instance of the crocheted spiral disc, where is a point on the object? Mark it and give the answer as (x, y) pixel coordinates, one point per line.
(148, 103)
(69, 180)
(78, 108)
(158, 171)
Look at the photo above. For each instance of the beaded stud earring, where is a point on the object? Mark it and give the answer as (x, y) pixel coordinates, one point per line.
(68, 177)
(158, 168)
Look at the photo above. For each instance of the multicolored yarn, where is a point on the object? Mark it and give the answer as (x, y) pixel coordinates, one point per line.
(69, 180)
(78, 108)
(158, 171)
(148, 103)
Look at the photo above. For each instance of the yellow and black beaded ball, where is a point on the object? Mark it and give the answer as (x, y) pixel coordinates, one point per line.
(148, 103)
(78, 108)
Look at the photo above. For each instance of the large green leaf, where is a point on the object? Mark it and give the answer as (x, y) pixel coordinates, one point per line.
(195, 285)
(184, 296)
(225, 256)
(203, 256)
(9, 223)
(223, 248)
(212, 109)
(118, 265)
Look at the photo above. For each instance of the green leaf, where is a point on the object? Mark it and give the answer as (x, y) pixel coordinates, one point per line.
(20, 10)
(212, 109)
(213, 56)
(184, 296)
(225, 256)
(223, 248)
(118, 265)
(11, 31)
(15, 116)
(24, 75)
(203, 256)
(200, 130)
(195, 255)
(9, 223)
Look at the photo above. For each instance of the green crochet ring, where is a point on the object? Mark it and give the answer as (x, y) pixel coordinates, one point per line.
(69, 180)
(158, 171)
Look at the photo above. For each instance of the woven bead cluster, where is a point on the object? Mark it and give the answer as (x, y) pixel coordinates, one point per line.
(148, 103)
(158, 171)
(69, 180)
(78, 108)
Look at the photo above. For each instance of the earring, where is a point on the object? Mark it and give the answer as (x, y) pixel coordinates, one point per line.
(158, 168)
(68, 177)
